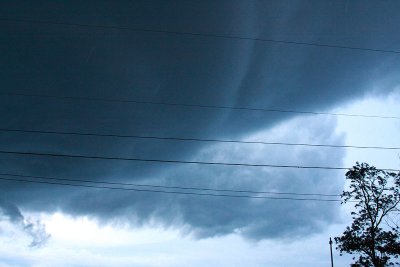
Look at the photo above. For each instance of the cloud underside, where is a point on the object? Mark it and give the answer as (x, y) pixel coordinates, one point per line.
(205, 216)
(77, 61)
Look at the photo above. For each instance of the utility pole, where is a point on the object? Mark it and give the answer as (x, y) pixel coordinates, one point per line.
(330, 244)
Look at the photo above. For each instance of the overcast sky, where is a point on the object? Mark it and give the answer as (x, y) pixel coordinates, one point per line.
(167, 69)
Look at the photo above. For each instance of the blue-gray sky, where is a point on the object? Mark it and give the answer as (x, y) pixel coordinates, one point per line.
(100, 62)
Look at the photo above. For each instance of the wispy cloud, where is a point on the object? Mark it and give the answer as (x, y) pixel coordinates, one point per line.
(36, 229)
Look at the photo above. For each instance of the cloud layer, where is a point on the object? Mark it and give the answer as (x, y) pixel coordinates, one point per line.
(97, 62)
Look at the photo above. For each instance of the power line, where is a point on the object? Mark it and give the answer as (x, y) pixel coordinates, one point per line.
(165, 161)
(119, 100)
(197, 34)
(24, 153)
(193, 139)
(169, 187)
(168, 192)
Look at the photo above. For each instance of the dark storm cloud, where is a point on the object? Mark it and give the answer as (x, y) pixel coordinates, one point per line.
(11, 211)
(254, 218)
(82, 61)
(270, 218)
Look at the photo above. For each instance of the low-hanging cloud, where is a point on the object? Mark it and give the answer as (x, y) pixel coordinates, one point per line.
(158, 67)
(205, 216)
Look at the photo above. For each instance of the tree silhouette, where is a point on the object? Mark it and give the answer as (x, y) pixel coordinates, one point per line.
(373, 235)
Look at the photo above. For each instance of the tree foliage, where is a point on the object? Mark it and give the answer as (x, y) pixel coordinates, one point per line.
(373, 235)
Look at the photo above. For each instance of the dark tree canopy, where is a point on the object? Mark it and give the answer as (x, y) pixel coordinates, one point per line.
(373, 235)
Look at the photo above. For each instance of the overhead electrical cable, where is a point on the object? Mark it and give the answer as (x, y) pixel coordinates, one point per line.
(167, 187)
(59, 155)
(167, 192)
(191, 139)
(119, 100)
(197, 34)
